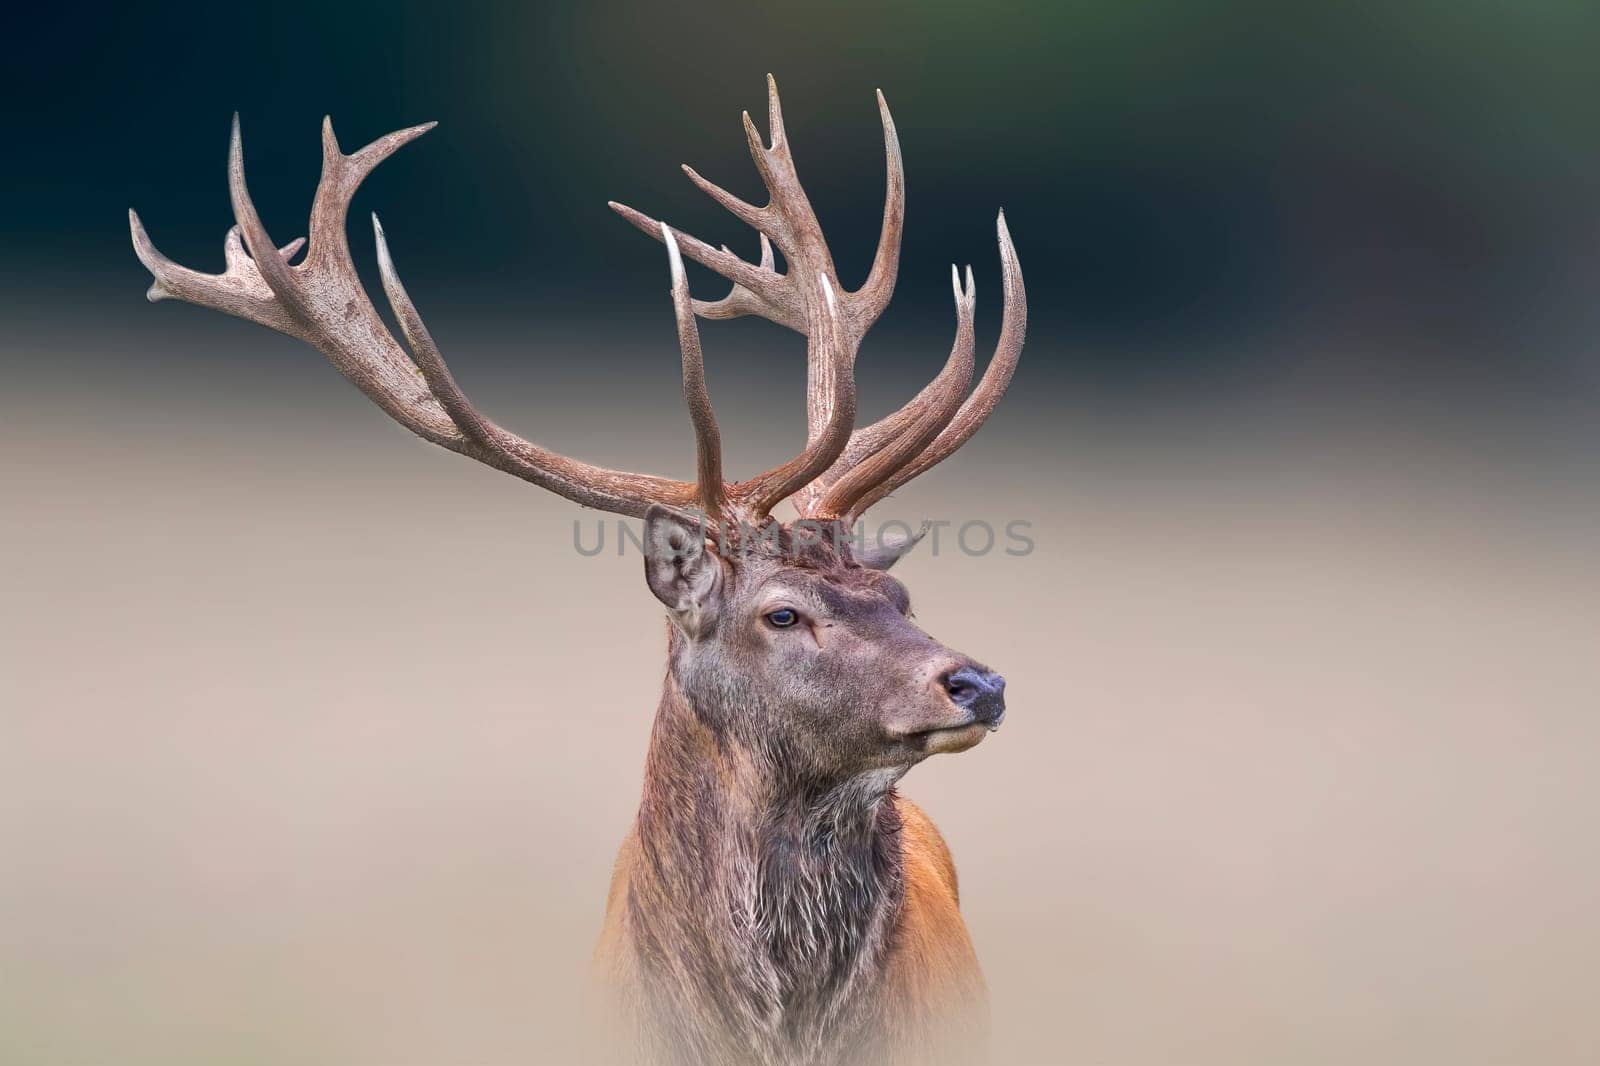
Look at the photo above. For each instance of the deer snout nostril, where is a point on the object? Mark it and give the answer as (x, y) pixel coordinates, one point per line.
(980, 691)
(961, 689)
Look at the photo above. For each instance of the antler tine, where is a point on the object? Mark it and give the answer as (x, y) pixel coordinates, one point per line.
(428, 358)
(775, 130)
(707, 438)
(789, 222)
(838, 386)
(996, 379)
(772, 297)
(762, 153)
(876, 291)
(280, 296)
(788, 217)
(757, 218)
(342, 175)
(321, 301)
(919, 422)
(740, 301)
(274, 271)
(868, 440)
(607, 490)
(239, 290)
(234, 255)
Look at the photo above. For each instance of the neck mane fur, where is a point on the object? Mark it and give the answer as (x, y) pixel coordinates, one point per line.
(764, 903)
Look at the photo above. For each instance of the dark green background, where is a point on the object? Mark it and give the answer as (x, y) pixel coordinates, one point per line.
(1404, 192)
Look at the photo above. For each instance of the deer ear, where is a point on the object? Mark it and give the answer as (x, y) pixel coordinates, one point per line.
(681, 569)
(886, 552)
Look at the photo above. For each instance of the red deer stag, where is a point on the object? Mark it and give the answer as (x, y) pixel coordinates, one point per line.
(777, 901)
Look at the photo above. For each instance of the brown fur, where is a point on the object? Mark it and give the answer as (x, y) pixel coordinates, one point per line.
(777, 901)
(929, 1005)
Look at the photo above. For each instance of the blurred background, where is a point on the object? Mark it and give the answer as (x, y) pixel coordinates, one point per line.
(316, 742)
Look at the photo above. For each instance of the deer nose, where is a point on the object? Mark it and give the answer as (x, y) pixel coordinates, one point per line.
(983, 692)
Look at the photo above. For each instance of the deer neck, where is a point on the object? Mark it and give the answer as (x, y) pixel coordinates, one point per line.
(764, 902)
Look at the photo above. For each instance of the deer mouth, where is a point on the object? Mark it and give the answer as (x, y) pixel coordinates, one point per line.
(950, 738)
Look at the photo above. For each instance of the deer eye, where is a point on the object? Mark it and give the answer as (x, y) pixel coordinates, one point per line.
(783, 617)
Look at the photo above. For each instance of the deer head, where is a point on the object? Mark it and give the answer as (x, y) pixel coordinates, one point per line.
(790, 647)
(799, 645)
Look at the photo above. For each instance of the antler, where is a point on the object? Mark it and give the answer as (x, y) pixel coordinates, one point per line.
(836, 475)
(321, 301)
(877, 458)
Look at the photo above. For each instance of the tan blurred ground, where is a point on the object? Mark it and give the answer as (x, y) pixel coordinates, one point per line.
(317, 745)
